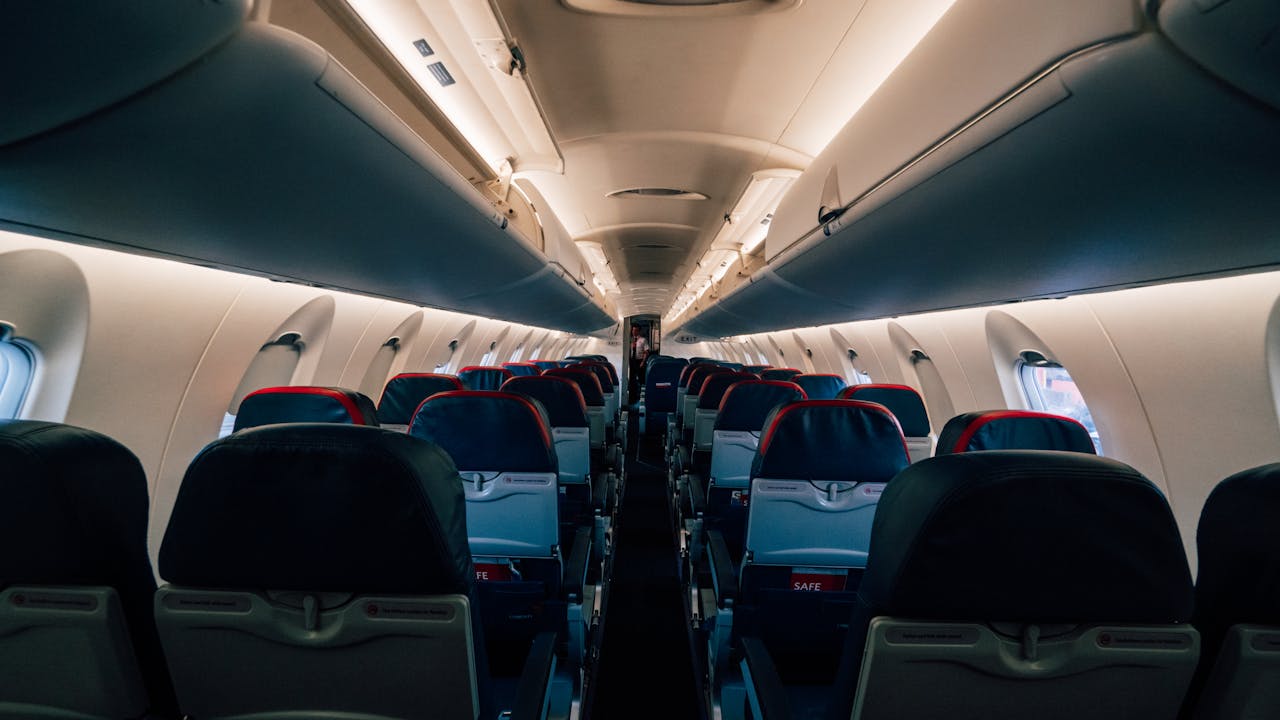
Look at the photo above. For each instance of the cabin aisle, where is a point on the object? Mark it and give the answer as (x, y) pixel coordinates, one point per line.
(645, 668)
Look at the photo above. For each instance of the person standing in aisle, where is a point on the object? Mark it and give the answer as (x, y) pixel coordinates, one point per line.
(639, 351)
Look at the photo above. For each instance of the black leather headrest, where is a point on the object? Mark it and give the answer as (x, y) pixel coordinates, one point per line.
(902, 400)
(821, 386)
(1026, 536)
(1012, 430)
(714, 387)
(320, 507)
(484, 430)
(838, 440)
(406, 391)
(747, 404)
(305, 403)
(560, 397)
(779, 374)
(1239, 548)
(73, 508)
(587, 382)
(480, 377)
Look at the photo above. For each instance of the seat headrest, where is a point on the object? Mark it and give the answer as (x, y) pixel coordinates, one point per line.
(599, 370)
(559, 397)
(667, 373)
(714, 387)
(545, 364)
(406, 391)
(73, 509)
(522, 369)
(587, 382)
(734, 366)
(902, 400)
(821, 386)
(1012, 430)
(779, 373)
(484, 377)
(320, 507)
(1239, 543)
(699, 374)
(305, 403)
(485, 430)
(747, 404)
(757, 369)
(1026, 536)
(838, 440)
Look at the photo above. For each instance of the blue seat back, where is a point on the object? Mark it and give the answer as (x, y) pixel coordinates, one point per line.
(820, 386)
(660, 386)
(906, 405)
(779, 373)
(406, 391)
(736, 434)
(483, 377)
(503, 448)
(1013, 430)
(305, 403)
(521, 369)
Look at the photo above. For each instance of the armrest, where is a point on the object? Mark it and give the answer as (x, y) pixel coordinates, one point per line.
(767, 697)
(723, 572)
(601, 487)
(697, 494)
(575, 566)
(535, 679)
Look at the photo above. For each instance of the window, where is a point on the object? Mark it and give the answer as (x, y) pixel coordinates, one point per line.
(1049, 388)
(444, 366)
(857, 377)
(487, 360)
(17, 365)
(271, 367)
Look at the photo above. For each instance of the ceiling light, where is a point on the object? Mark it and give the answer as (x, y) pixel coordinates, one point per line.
(744, 229)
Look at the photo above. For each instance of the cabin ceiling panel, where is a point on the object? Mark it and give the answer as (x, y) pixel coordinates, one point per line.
(742, 75)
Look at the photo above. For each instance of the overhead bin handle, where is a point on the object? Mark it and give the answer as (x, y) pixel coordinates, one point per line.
(831, 207)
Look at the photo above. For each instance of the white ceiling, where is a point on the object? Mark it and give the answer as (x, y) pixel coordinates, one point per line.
(691, 103)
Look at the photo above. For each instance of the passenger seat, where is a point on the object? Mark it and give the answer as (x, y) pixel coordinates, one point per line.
(77, 629)
(1238, 599)
(305, 403)
(820, 386)
(484, 377)
(1019, 584)
(322, 571)
(906, 405)
(1013, 430)
(405, 392)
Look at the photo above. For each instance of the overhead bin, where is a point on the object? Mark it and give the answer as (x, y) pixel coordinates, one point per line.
(267, 156)
(1233, 39)
(1121, 162)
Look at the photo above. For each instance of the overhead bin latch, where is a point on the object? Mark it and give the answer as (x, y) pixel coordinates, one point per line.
(831, 206)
